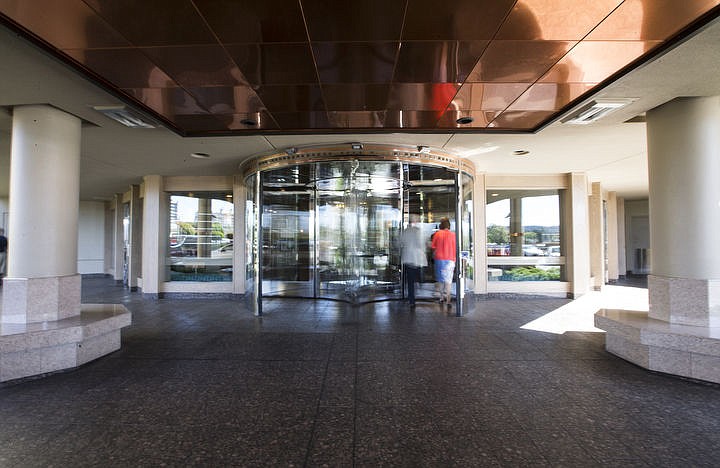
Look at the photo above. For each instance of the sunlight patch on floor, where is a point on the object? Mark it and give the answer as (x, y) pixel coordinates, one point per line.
(578, 314)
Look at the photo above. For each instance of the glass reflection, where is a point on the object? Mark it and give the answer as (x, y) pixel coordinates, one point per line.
(201, 237)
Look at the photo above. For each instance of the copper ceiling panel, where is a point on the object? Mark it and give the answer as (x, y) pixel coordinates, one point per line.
(227, 99)
(201, 123)
(255, 120)
(167, 102)
(124, 68)
(592, 62)
(404, 119)
(196, 65)
(468, 20)
(322, 66)
(350, 62)
(254, 21)
(554, 20)
(292, 98)
(549, 96)
(357, 119)
(650, 20)
(520, 119)
(422, 96)
(155, 23)
(264, 64)
(437, 61)
(65, 25)
(343, 21)
(299, 121)
(480, 119)
(356, 97)
(488, 96)
(518, 61)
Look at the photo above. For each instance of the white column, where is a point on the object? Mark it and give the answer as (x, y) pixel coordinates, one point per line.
(43, 283)
(613, 234)
(684, 165)
(480, 230)
(154, 235)
(597, 250)
(135, 254)
(621, 234)
(577, 249)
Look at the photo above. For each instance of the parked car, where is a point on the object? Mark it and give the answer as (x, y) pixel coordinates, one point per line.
(530, 250)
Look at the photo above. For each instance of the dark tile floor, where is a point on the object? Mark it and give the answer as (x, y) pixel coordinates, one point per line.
(205, 383)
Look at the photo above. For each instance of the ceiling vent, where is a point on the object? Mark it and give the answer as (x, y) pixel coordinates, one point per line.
(125, 116)
(595, 110)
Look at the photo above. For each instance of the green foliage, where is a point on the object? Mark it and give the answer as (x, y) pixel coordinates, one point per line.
(531, 237)
(217, 230)
(531, 273)
(497, 234)
(186, 228)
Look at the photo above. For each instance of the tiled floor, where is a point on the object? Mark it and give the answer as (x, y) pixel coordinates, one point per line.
(205, 383)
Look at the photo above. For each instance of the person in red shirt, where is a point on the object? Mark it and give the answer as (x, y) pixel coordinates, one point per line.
(444, 252)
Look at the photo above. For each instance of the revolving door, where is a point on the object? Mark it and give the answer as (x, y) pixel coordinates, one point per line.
(330, 229)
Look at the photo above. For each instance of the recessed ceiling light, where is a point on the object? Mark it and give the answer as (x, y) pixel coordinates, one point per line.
(356, 146)
(465, 120)
(521, 152)
(494, 194)
(199, 155)
(248, 122)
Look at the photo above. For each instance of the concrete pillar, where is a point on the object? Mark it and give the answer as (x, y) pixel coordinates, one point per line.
(681, 332)
(118, 238)
(684, 163)
(135, 232)
(480, 230)
(621, 235)
(597, 238)
(43, 283)
(613, 271)
(577, 240)
(154, 235)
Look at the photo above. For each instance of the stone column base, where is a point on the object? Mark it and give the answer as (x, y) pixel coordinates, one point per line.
(685, 301)
(33, 300)
(683, 350)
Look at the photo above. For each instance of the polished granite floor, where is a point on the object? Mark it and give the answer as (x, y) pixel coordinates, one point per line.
(205, 383)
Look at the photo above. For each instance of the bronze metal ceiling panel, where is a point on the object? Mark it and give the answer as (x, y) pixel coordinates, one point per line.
(228, 67)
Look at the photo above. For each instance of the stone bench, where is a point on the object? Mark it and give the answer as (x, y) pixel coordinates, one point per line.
(684, 350)
(39, 348)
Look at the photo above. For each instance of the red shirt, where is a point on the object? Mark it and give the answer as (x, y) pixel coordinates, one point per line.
(443, 243)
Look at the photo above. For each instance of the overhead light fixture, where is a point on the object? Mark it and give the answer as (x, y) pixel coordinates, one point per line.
(595, 110)
(248, 122)
(423, 149)
(465, 120)
(521, 152)
(125, 116)
(198, 155)
(356, 146)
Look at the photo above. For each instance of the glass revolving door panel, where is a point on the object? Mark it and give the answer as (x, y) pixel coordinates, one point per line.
(358, 226)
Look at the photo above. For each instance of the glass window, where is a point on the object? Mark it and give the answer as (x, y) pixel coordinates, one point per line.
(201, 236)
(524, 236)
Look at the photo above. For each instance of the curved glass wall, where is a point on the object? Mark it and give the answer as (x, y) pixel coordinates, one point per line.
(331, 228)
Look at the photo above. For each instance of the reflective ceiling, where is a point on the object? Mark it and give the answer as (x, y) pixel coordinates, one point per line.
(224, 67)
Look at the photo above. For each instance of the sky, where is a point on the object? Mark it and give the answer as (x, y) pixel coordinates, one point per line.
(537, 211)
